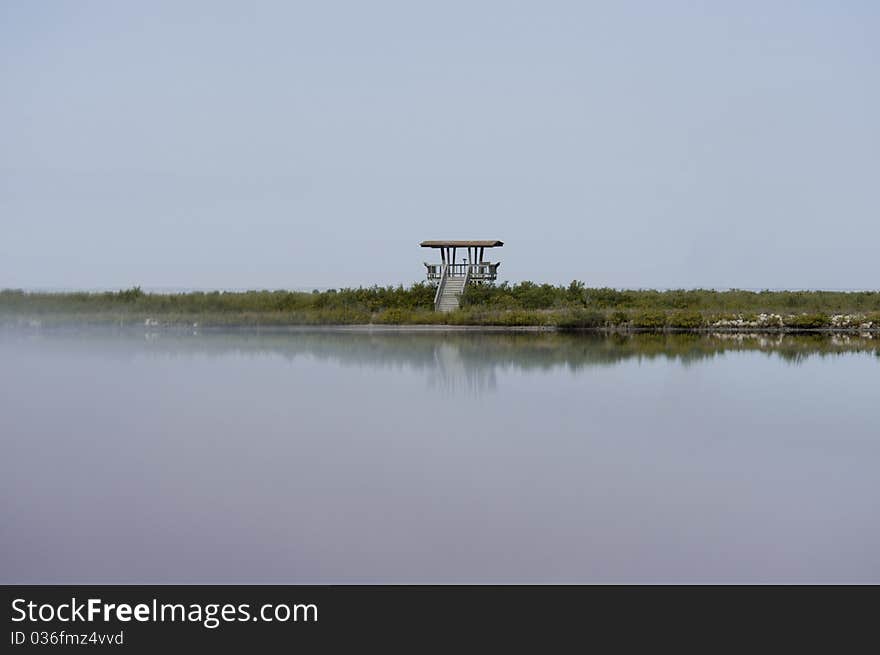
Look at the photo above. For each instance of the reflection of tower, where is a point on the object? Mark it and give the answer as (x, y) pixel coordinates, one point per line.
(454, 374)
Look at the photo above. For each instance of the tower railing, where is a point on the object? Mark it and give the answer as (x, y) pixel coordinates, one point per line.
(481, 271)
(440, 285)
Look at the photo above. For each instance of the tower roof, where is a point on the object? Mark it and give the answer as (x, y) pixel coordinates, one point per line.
(461, 244)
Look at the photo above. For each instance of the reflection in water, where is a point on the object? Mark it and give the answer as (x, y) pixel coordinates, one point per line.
(453, 373)
(452, 361)
(342, 457)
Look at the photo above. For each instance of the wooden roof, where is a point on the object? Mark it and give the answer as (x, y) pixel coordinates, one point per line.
(461, 244)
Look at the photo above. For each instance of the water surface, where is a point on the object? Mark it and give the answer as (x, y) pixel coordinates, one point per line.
(334, 457)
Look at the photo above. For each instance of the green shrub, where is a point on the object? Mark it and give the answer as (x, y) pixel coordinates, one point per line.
(576, 292)
(606, 297)
(807, 321)
(524, 303)
(649, 320)
(536, 296)
(618, 318)
(686, 320)
(478, 294)
(395, 315)
(129, 295)
(580, 318)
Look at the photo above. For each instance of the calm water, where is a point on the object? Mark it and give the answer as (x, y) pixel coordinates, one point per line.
(351, 457)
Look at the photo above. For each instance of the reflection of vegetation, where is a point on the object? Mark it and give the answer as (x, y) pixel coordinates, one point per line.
(526, 303)
(458, 355)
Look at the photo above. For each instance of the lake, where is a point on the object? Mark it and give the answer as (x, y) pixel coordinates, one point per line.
(135, 456)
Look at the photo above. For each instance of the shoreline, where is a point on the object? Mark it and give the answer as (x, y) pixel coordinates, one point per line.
(412, 328)
(525, 307)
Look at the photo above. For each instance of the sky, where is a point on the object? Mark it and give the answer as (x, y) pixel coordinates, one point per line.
(208, 144)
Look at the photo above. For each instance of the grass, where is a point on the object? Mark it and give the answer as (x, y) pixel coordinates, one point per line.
(574, 306)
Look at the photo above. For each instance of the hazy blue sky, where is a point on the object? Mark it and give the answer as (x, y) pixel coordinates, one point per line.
(292, 144)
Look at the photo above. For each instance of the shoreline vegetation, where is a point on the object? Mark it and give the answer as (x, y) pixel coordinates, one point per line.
(453, 354)
(525, 305)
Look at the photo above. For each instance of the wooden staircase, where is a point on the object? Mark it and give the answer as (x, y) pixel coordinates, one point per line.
(449, 291)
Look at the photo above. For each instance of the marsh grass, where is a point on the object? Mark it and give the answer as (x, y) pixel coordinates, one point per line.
(574, 306)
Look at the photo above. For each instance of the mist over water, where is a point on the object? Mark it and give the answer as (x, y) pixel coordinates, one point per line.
(330, 457)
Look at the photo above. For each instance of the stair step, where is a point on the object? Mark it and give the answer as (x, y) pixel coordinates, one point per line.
(453, 289)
